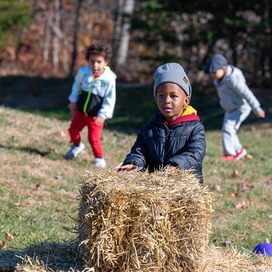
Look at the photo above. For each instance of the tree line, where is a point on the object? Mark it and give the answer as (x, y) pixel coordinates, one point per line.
(52, 34)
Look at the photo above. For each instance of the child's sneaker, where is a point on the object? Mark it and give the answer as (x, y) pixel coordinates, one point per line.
(100, 162)
(74, 151)
(240, 155)
(227, 158)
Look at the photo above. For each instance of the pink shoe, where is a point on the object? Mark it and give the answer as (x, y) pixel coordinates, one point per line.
(240, 155)
(227, 158)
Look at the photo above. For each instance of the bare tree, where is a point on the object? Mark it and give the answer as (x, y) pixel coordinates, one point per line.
(35, 6)
(75, 37)
(118, 25)
(55, 38)
(48, 18)
(122, 34)
(63, 42)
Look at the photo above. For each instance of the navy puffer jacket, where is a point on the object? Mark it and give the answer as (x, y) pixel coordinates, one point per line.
(183, 145)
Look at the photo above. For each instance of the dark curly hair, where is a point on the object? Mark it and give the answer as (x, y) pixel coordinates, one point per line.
(99, 49)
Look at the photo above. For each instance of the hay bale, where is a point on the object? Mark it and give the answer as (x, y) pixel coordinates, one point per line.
(229, 260)
(31, 265)
(134, 221)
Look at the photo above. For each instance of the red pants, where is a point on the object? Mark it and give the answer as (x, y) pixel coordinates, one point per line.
(80, 120)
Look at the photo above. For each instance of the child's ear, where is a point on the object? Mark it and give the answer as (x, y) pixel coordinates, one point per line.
(187, 101)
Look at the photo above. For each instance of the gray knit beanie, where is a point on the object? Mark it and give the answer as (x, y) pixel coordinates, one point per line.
(215, 63)
(174, 73)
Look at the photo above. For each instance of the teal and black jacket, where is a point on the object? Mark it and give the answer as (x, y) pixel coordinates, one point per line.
(94, 96)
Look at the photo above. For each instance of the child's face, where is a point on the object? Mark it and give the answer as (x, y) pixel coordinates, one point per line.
(171, 99)
(218, 74)
(97, 64)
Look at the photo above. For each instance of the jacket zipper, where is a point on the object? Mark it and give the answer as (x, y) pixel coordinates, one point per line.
(167, 133)
(89, 96)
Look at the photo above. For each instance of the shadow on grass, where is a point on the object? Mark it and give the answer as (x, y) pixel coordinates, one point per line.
(65, 256)
(48, 152)
(27, 149)
(135, 103)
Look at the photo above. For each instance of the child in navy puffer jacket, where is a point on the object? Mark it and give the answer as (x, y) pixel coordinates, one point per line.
(175, 137)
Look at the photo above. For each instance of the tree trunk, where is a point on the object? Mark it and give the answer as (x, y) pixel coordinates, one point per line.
(48, 22)
(35, 6)
(55, 39)
(75, 37)
(90, 9)
(124, 36)
(117, 29)
(63, 43)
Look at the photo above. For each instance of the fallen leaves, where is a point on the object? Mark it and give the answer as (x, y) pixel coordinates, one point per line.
(267, 184)
(8, 238)
(63, 134)
(236, 193)
(247, 187)
(226, 243)
(58, 177)
(235, 173)
(242, 205)
(217, 187)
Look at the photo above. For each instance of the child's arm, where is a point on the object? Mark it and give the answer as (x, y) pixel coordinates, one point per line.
(72, 106)
(238, 84)
(192, 155)
(126, 167)
(99, 120)
(138, 153)
(261, 114)
(108, 103)
(76, 88)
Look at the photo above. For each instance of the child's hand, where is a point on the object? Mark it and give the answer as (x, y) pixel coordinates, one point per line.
(126, 167)
(99, 120)
(170, 168)
(72, 106)
(261, 114)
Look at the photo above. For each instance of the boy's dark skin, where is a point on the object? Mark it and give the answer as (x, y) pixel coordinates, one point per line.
(171, 99)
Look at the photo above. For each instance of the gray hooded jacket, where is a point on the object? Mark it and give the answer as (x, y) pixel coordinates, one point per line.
(234, 92)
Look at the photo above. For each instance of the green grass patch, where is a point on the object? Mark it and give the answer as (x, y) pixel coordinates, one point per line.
(39, 188)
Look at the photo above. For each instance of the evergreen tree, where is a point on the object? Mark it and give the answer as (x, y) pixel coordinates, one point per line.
(14, 16)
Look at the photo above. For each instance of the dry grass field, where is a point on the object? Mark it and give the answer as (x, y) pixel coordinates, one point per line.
(39, 188)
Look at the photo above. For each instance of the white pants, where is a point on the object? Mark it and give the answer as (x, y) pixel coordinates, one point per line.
(232, 122)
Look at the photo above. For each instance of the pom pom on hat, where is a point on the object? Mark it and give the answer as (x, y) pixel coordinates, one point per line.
(216, 62)
(174, 73)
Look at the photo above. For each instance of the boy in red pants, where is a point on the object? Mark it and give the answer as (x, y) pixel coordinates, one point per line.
(92, 99)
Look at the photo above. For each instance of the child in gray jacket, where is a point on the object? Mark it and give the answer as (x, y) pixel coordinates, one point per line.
(236, 99)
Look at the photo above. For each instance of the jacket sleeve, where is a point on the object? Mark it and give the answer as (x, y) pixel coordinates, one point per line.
(137, 155)
(76, 88)
(238, 84)
(192, 155)
(109, 99)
